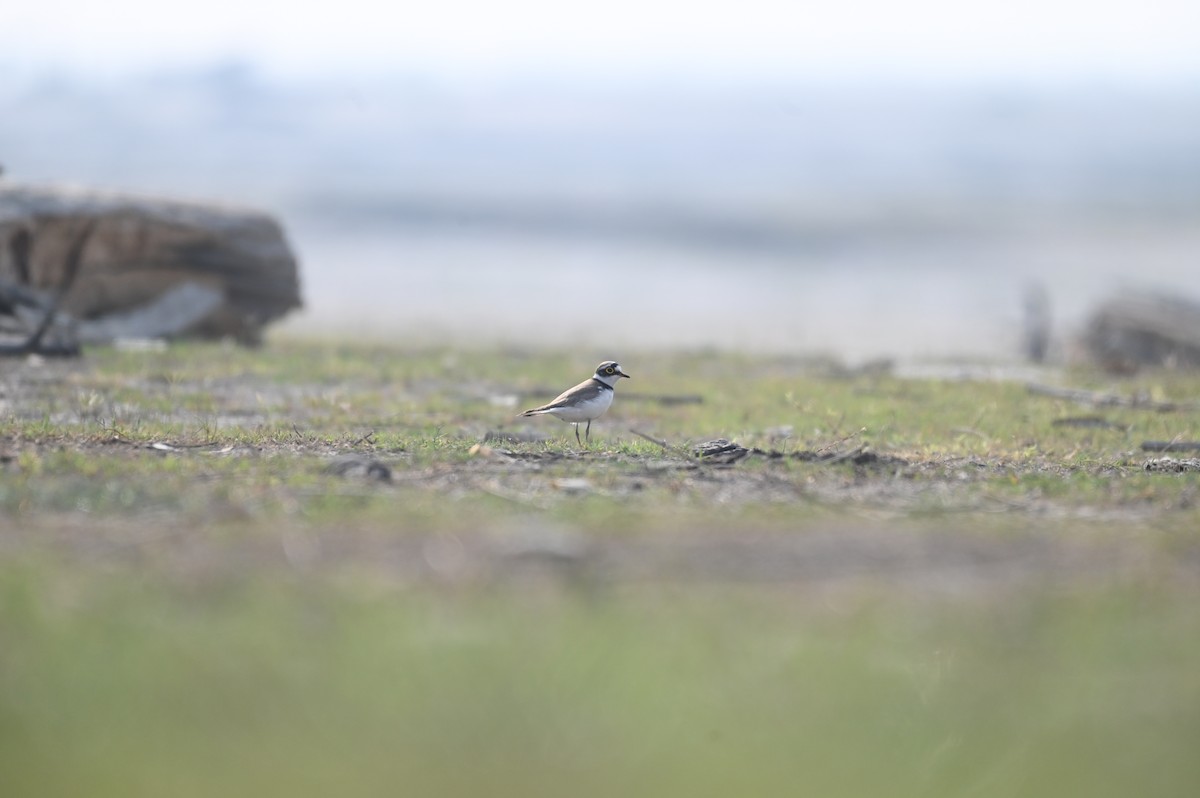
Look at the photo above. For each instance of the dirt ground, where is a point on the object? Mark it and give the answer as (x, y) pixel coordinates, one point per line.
(502, 504)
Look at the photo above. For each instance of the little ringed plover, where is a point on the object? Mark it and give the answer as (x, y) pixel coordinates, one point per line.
(586, 401)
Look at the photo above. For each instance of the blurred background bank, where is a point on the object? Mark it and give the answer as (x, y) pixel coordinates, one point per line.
(861, 178)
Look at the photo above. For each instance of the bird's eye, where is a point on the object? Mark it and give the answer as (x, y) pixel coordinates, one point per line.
(610, 370)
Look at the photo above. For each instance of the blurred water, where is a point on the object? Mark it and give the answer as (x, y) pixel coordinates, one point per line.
(860, 220)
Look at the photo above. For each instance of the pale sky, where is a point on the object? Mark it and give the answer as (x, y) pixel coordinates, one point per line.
(1132, 39)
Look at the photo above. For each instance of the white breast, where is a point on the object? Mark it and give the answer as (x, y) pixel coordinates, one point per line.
(584, 411)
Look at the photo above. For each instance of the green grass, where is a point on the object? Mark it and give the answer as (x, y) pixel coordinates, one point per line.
(288, 408)
(129, 687)
(226, 617)
(290, 689)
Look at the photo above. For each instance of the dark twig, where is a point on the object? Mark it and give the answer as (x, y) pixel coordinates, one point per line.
(1171, 446)
(1098, 422)
(365, 439)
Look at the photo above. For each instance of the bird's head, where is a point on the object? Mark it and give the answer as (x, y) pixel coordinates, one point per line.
(609, 372)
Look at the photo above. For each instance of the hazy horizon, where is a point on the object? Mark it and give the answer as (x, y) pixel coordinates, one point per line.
(860, 178)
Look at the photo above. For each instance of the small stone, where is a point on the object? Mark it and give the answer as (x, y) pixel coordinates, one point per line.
(363, 467)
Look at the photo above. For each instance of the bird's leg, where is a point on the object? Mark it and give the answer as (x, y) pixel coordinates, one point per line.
(576, 425)
(587, 435)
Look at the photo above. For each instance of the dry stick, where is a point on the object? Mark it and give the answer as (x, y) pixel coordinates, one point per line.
(652, 439)
(841, 440)
(666, 445)
(837, 458)
(365, 439)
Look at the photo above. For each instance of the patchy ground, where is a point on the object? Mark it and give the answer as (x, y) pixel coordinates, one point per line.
(381, 454)
(315, 569)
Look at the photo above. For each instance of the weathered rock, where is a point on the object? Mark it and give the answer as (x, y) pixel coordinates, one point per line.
(1143, 329)
(150, 267)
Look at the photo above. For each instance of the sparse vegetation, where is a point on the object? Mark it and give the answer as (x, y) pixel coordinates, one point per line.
(197, 599)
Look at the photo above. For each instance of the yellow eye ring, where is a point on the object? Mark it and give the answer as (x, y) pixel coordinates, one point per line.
(609, 370)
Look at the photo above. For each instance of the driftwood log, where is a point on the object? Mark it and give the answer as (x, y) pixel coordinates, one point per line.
(15, 299)
(145, 268)
(1143, 329)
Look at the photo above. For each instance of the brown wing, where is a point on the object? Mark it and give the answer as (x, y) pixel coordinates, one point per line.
(562, 398)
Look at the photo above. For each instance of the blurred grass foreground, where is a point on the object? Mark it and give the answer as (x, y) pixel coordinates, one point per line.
(125, 686)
